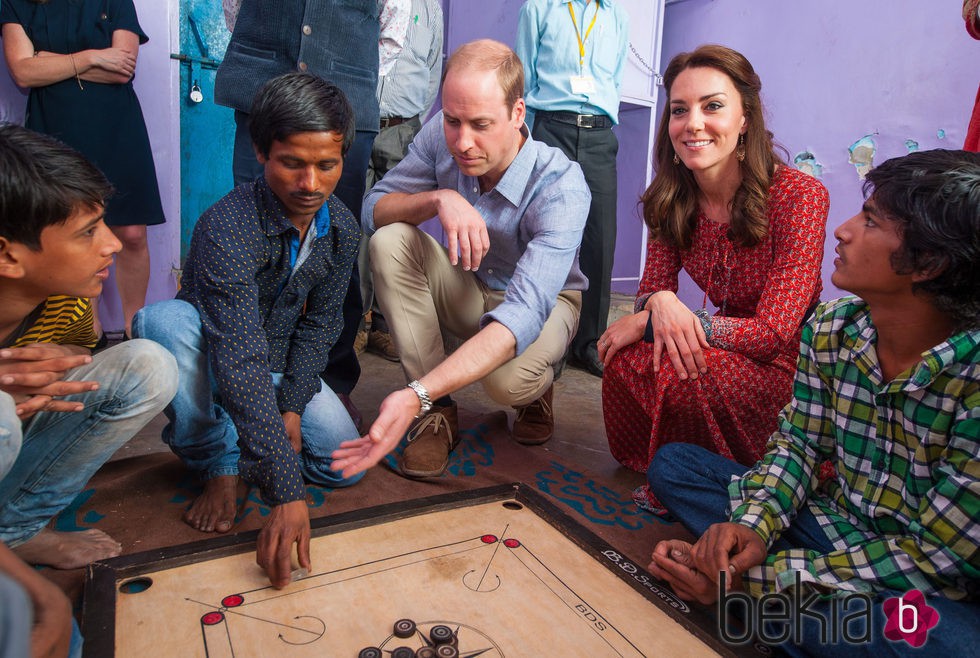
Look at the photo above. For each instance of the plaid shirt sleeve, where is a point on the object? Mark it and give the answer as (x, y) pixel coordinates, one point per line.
(766, 498)
(895, 537)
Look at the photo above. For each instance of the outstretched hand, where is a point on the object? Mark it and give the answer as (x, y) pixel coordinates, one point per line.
(394, 418)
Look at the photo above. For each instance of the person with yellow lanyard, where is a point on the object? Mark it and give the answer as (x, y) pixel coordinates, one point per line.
(573, 53)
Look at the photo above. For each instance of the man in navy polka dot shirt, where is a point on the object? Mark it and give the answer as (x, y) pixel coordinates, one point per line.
(259, 308)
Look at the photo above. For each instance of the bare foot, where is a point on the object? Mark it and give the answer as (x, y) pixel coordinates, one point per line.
(68, 550)
(216, 508)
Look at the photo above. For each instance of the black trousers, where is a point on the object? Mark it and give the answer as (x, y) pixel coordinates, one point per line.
(343, 370)
(595, 151)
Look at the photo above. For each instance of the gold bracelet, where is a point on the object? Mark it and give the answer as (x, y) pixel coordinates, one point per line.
(77, 79)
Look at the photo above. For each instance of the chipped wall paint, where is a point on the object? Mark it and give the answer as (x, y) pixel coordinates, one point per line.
(861, 154)
(911, 145)
(807, 163)
(872, 76)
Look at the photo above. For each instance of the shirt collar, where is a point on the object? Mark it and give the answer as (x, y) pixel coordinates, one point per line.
(961, 347)
(514, 182)
(958, 348)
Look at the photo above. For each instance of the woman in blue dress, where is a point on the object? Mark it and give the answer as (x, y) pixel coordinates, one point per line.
(78, 57)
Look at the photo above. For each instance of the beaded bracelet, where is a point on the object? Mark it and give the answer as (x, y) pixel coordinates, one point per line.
(702, 315)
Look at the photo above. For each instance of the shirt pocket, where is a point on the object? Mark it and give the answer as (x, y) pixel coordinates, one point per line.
(605, 49)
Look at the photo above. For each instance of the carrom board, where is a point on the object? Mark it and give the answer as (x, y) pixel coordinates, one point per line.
(502, 567)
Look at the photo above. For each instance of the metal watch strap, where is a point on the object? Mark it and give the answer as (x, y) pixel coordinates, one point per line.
(425, 403)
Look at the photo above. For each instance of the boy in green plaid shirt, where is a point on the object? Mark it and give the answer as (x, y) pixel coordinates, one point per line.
(887, 390)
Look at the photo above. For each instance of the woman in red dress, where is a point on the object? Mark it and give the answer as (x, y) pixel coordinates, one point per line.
(971, 14)
(749, 230)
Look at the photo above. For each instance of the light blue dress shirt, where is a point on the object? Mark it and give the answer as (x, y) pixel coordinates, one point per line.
(548, 47)
(535, 217)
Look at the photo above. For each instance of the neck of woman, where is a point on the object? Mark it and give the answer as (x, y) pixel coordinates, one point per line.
(716, 194)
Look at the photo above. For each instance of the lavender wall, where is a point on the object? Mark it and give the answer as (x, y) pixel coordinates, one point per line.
(833, 72)
(12, 100)
(499, 21)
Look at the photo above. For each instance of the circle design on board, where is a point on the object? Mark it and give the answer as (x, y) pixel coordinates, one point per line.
(212, 618)
(489, 539)
(233, 600)
(512, 543)
(467, 640)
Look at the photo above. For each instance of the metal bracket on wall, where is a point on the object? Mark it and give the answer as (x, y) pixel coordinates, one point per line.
(203, 62)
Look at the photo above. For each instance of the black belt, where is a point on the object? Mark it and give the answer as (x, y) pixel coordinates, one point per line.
(396, 121)
(580, 120)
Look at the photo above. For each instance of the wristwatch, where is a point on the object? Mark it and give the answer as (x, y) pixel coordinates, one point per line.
(425, 403)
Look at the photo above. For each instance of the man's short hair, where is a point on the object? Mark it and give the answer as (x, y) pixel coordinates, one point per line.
(490, 55)
(299, 103)
(42, 183)
(934, 198)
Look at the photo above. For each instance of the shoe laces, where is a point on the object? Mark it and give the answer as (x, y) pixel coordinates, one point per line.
(540, 402)
(436, 420)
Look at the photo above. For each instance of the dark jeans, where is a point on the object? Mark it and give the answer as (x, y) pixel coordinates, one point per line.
(594, 149)
(692, 483)
(343, 370)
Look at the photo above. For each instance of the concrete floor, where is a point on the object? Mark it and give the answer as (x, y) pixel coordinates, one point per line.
(580, 436)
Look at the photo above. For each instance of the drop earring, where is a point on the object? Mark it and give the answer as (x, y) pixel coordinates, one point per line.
(677, 160)
(740, 149)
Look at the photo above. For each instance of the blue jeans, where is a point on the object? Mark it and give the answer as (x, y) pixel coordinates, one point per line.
(11, 434)
(62, 450)
(202, 433)
(17, 618)
(692, 483)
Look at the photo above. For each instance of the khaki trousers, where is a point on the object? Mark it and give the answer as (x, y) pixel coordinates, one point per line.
(423, 295)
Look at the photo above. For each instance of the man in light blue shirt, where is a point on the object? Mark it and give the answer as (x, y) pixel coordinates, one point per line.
(509, 286)
(573, 53)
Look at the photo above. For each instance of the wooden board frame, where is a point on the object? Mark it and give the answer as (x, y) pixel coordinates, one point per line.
(102, 578)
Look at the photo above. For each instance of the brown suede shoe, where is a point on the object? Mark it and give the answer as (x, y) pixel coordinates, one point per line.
(380, 343)
(360, 341)
(535, 423)
(430, 442)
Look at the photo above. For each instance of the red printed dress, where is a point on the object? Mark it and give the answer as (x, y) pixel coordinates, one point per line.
(763, 294)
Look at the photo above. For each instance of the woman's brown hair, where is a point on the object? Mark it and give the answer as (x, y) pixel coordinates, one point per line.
(670, 204)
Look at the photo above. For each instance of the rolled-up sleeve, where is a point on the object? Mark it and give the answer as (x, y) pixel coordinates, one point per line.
(553, 224)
